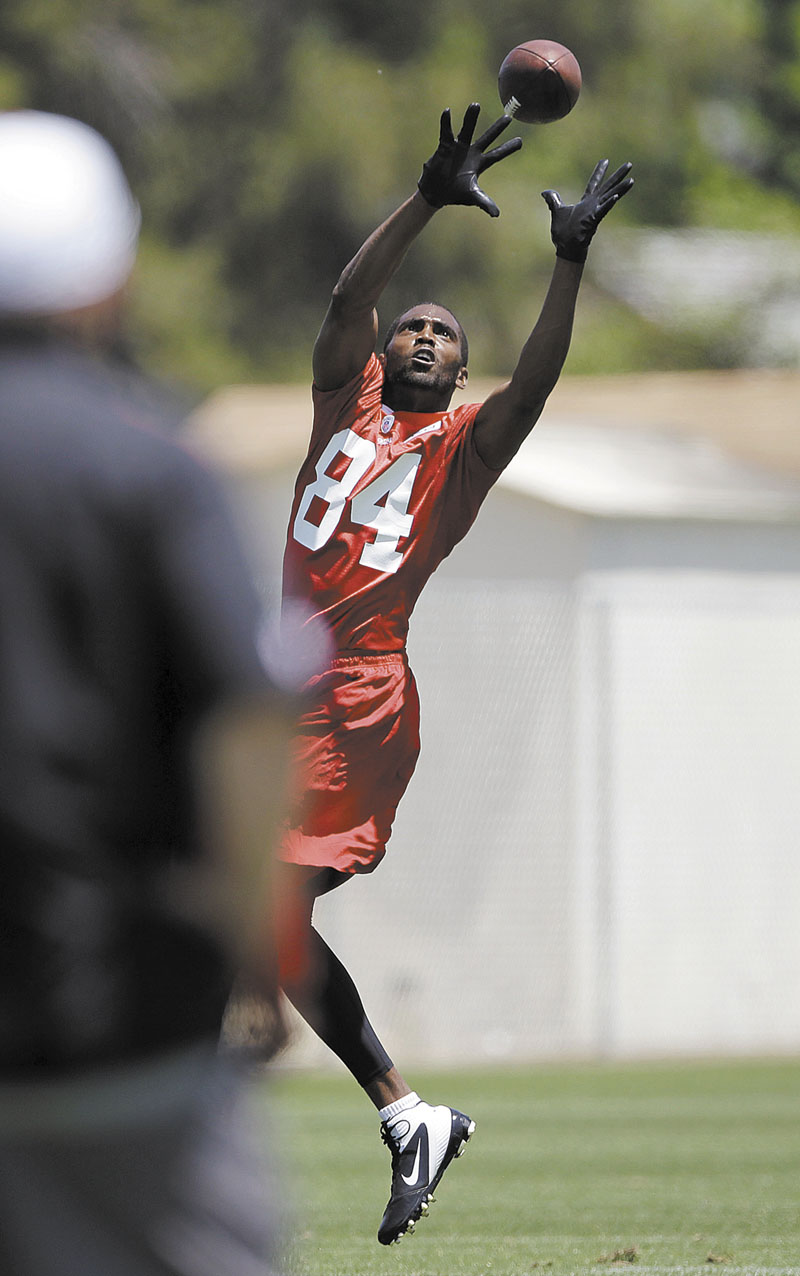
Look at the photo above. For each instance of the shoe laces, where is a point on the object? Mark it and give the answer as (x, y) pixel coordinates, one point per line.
(392, 1145)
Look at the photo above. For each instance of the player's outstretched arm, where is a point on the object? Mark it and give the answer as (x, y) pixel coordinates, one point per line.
(510, 413)
(350, 327)
(347, 336)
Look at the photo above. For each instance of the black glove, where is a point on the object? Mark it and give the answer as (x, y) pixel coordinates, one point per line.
(573, 225)
(450, 176)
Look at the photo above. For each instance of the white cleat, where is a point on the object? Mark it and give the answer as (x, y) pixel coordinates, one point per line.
(423, 1141)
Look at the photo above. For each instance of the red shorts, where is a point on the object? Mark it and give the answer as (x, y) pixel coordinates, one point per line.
(355, 752)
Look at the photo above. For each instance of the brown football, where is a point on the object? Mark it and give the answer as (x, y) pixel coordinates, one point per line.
(539, 82)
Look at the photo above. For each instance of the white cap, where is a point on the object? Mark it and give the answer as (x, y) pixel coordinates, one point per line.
(68, 222)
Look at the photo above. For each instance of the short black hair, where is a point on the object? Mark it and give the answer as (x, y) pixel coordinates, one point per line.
(462, 336)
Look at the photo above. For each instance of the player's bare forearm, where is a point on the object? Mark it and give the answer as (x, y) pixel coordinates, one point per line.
(508, 416)
(510, 412)
(363, 280)
(347, 336)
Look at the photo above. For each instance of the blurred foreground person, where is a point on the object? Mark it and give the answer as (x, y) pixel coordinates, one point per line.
(135, 710)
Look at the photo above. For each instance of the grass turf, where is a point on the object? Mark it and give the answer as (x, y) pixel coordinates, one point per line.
(655, 1169)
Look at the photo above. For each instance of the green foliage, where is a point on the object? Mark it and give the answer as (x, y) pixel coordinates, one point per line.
(182, 315)
(572, 1171)
(265, 138)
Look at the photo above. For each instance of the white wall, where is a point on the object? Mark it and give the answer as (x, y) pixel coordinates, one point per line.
(697, 848)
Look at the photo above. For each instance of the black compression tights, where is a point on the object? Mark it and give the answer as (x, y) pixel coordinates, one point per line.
(331, 1005)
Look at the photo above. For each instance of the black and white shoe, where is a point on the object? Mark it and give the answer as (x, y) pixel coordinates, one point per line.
(423, 1141)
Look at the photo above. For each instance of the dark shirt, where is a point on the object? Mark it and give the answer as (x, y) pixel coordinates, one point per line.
(126, 613)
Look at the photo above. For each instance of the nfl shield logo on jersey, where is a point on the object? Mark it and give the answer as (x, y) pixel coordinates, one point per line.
(387, 421)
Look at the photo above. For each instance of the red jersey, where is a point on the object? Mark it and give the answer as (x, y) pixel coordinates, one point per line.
(381, 498)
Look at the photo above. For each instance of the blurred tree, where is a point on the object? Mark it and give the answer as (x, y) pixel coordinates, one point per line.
(777, 92)
(266, 137)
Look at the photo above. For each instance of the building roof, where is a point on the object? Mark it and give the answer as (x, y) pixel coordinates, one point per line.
(612, 472)
(694, 444)
(752, 413)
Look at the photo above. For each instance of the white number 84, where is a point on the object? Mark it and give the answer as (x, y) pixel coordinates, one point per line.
(391, 519)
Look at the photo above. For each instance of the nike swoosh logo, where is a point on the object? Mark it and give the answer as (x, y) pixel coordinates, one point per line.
(426, 429)
(419, 1174)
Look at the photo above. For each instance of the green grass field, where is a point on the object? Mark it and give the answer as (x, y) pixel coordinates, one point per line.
(578, 1169)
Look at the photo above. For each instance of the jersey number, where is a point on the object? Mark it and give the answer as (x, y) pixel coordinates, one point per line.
(392, 488)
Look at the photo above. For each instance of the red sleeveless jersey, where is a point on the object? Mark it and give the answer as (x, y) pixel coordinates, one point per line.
(381, 498)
